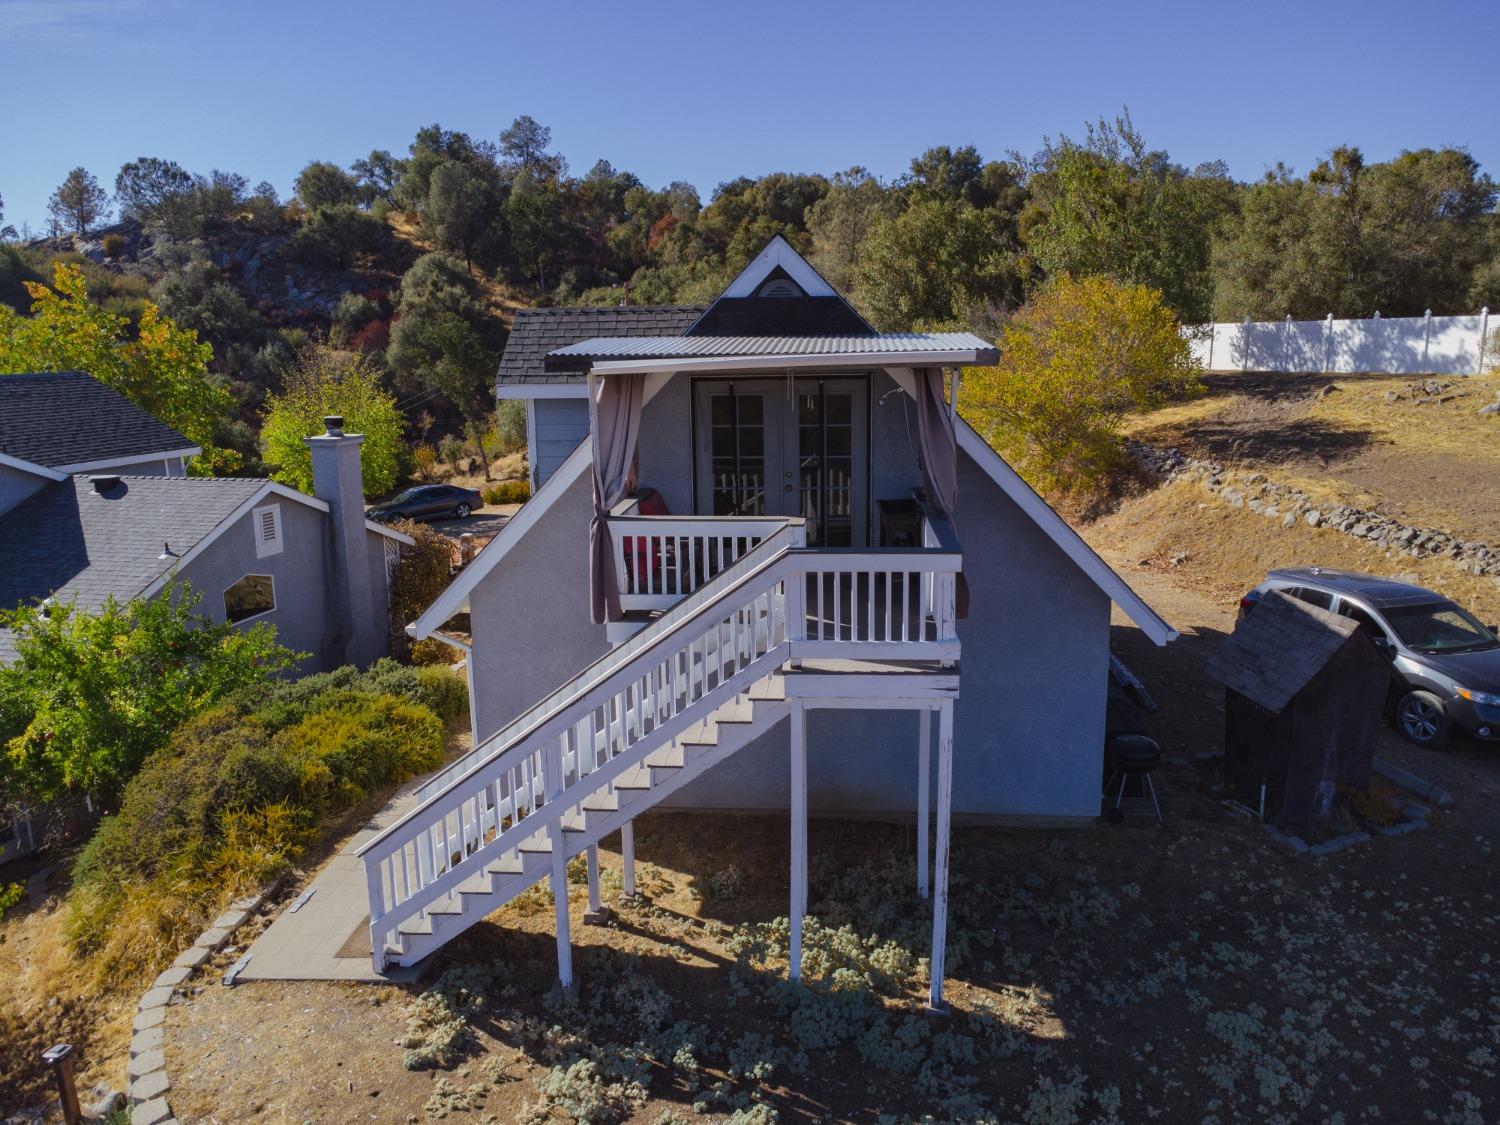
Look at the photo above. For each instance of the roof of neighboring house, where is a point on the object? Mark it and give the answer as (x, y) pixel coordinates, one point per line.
(539, 331)
(74, 542)
(585, 352)
(1276, 650)
(61, 420)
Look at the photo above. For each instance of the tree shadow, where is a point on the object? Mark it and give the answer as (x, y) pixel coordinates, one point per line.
(1300, 439)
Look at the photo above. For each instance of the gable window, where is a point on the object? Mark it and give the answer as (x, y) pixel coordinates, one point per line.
(266, 524)
(251, 596)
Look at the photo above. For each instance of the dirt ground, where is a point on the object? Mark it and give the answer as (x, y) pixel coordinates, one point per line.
(1193, 971)
(1436, 464)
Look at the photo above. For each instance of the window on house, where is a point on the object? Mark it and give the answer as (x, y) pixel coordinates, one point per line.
(266, 523)
(251, 596)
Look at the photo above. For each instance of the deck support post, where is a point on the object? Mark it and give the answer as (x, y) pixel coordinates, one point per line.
(924, 796)
(560, 902)
(627, 860)
(940, 876)
(799, 835)
(597, 914)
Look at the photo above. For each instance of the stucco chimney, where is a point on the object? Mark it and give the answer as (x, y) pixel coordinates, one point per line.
(357, 607)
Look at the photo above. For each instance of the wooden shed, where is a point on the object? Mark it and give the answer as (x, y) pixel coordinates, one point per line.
(1304, 692)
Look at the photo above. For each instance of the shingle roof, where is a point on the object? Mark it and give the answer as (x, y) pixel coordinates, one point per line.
(74, 544)
(70, 418)
(674, 347)
(1278, 648)
(539, 331)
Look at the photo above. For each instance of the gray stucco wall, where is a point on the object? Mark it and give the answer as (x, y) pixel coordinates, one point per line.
(1029, 724)
(16, 485)
(530, 615)
(299, 574)
(558, 425)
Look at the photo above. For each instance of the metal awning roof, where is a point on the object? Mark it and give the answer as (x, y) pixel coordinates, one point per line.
(962, 348)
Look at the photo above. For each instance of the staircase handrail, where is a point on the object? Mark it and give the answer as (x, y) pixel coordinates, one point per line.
(791, 534)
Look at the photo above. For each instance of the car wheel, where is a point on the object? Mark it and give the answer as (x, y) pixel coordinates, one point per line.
(1423, 719)
(462, 511)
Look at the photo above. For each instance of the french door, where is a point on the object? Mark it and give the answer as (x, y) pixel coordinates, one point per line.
(786, 447)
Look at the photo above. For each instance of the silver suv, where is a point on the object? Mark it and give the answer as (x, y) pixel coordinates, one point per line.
(1445, 665)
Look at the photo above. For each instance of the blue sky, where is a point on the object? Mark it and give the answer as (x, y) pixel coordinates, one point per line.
(708, 91)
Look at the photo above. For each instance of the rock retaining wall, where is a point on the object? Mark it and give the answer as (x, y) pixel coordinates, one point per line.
(1286, 505)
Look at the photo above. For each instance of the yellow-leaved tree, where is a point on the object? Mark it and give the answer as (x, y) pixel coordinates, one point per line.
(162, 368)
(1074, 360)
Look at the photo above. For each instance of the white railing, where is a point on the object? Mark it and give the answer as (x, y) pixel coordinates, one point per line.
(662, 559)
(780, 601)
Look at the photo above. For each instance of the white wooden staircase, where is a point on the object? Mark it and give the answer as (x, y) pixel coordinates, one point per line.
(710, 675)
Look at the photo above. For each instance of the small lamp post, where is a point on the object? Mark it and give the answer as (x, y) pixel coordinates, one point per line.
(60, 1060)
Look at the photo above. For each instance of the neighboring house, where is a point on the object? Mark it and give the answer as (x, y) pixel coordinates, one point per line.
(53, 424)
(255, 550)
(787, 637)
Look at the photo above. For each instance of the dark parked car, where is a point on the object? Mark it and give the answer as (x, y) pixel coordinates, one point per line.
(427, 502)
(1445, 665)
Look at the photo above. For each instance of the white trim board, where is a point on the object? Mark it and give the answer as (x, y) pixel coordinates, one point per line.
(31, 467)
(122, 462)
(541, 390)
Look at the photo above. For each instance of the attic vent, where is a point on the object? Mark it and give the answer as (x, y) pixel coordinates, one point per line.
(267, 525)
(779, 287)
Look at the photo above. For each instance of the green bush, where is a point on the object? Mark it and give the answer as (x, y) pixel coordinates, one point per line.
(508, 492)
(112, 245)
(236, 794)
(335, 236)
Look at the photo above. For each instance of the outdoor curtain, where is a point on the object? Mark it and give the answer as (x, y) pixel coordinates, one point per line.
(939, 458)
(617, 425)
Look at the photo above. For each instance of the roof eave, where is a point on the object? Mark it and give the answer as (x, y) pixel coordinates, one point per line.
(955, 357)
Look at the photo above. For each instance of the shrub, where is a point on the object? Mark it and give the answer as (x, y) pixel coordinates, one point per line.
(10, 894)
(425, 458)
(91, 695)
(236, 795)
(508, 492)
(112, 245)
(452, 449)
(354, 310)
(421, 575)
(1073, 362)
(335, 236)
(510, 426)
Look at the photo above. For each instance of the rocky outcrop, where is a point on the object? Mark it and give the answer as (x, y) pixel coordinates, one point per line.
(1286, 505)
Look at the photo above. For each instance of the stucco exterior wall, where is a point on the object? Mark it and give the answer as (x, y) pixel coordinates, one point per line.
(1029, 724)
(530, 615)
(16, 485)
(299, 574)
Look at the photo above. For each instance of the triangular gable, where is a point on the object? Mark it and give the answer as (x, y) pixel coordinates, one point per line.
(779, 254)
(780, 294)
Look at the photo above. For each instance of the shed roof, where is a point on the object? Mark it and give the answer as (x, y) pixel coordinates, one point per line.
(61, 419)
(1278, 648)
(539, 331)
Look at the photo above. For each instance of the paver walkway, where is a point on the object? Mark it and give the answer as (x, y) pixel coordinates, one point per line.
(327, 937)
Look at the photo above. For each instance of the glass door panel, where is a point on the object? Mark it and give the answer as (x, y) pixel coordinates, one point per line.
(830, 443)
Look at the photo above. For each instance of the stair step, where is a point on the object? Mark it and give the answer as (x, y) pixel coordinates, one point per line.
(506, 865)
(701, 734)
(634, 780)
(737, 710)
(772, 689)
(667, 757)
(601, 802)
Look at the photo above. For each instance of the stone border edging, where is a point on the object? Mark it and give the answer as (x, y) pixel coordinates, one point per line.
(1264, 497)
(149, 1085)
(1412, 783)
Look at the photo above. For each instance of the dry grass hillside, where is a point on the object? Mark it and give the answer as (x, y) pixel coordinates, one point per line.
(1371, 442)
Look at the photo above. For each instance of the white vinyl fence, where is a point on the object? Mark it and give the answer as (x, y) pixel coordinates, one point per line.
(1400, 345)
